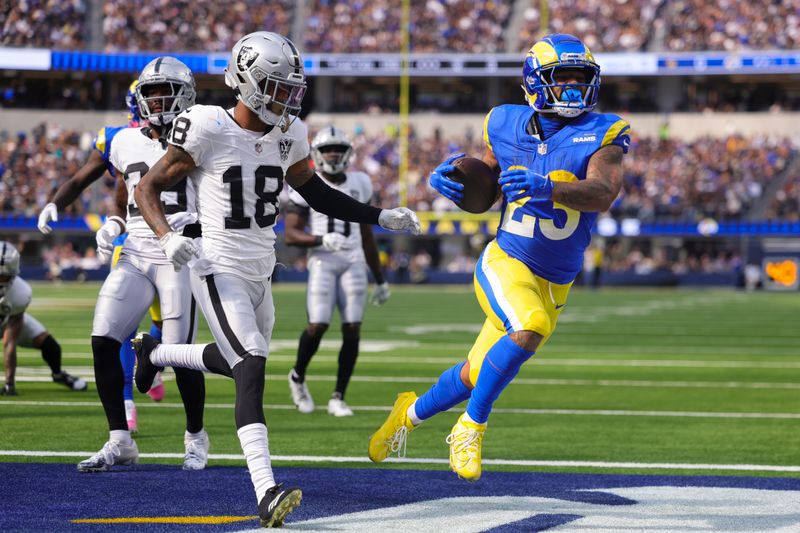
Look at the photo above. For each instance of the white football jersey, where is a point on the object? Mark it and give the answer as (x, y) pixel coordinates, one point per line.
(14, 300)
(358, 186)
(133, 153)
(238, 178)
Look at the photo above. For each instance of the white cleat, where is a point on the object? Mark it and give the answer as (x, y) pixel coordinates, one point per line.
(112, 453)
(196, 457)
(300, 395)
(338, 407)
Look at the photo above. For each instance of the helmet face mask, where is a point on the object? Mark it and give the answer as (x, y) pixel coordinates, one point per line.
(331, 150)
(549, 61)
(266, 73)
(165, 89)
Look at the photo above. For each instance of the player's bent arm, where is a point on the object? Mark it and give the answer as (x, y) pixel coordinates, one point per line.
(295, 231)
(69, 191)
(173, 166)
(10, 336)
(371, 253)
(326, 199)
(491, 161)
(601, 186)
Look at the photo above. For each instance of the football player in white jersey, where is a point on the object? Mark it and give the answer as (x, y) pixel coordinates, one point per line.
(238, 159)
(337, 268)
(166, 88)
(20, 328)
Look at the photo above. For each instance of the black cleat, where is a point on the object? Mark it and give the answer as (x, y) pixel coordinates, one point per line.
(146, 371)
(71, 382)
(8, 390)
(277, 503)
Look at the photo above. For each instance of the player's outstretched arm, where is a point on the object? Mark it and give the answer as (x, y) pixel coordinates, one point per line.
(381, 292)
(173, 166)
(69, 191)
(337, 204)
(295, 233)
(601, 186)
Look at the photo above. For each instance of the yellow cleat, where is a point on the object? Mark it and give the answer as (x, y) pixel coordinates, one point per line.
(391, 437)
(465, 449)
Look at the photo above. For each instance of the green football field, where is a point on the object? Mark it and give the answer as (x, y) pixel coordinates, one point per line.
(650, 381)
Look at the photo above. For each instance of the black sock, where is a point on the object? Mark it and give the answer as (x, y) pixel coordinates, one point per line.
(215, 362)
(51, 353)
(249, 378)
(110, 380)
(347, 363)
(192, 387)
(306, 349)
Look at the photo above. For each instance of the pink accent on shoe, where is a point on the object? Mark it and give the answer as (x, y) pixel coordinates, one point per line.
(156, 392)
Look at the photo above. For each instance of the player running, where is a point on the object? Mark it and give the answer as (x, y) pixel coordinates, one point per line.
(107, 246)
(20, 328)
(166, 87)
(337, 269)
(559, 164)
(238, 159)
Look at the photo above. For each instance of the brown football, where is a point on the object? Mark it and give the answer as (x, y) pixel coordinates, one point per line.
(480, 184)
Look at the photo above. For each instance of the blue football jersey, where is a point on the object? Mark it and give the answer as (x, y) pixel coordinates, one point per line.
(552, 249)
(102, 143)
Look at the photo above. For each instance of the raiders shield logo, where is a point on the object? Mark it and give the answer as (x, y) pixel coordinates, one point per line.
(284, 145)
(246, 58)
(259, 148)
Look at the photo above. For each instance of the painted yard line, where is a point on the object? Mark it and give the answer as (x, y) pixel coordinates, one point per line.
(421, 460)
(498, 410)
(87, 375)
(566, 361)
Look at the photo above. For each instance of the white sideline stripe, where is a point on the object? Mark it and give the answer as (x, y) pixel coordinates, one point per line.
(422, 460)
(39, 375)
(567, 361)
(499, 410)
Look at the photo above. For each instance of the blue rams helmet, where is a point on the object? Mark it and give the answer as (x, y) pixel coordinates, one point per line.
(133, 106)
(554, 52)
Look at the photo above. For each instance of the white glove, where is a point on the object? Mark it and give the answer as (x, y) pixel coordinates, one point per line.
(105, 237)
(399, 219)
(178, 249)
(48, 214)
(109, 231)
(380, 294)
(333, 242)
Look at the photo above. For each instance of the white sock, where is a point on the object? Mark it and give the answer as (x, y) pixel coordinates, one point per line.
(180, 355)
(200, 435)
(412, 414)
(255, 445)
(129, 405)
(467, 418)
(123, 436)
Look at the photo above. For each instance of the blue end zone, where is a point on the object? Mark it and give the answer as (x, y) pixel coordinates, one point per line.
(45, 497)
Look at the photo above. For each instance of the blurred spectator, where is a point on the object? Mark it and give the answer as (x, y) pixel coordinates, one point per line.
(43, 23)
(173, 25)
(603, 25)
(731, 25)
(353, 26)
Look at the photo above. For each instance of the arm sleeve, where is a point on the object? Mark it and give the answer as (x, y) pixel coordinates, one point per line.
(336, 204)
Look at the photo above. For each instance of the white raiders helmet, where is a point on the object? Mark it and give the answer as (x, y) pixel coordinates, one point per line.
(9, 263)
(328, 140)
(265, 68)
(165, 70)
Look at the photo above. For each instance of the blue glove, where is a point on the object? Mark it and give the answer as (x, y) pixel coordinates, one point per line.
(520, 183)
(452, 190)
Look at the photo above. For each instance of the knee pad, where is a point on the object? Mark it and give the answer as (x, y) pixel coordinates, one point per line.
(249, 378)
(539, 321)
(105, 346)
(316, 330)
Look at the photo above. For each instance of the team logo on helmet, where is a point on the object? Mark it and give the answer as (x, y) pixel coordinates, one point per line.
(285, 145)
(246, 57)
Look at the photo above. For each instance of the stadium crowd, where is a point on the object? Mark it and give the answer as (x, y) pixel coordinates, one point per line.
(465, 26)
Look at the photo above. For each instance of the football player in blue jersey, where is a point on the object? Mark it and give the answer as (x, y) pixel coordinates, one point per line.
(108, 245)
(559, 164)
